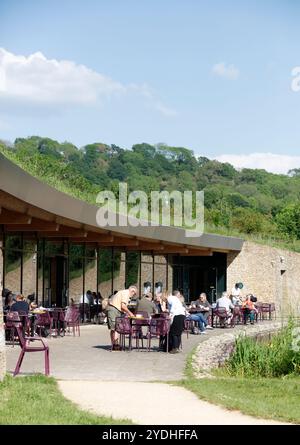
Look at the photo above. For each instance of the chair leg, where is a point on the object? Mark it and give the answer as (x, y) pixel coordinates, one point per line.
(47, 364)
(19, 362)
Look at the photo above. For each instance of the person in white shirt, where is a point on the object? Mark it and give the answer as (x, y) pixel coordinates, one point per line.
(236, 296)
(177, 313)
(225, 302)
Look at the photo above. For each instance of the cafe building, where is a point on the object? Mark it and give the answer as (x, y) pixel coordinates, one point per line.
(52, 246)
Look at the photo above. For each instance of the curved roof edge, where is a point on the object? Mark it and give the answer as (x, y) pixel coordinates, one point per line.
(17, 182)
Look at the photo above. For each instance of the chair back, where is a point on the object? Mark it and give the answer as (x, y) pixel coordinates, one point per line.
(13, 319)
(72, 315)
(123, 325)
(145, 321)
(12, 316)
(221, 312)
(272, 307)
(159, 326)
(43, 319)
(265, 307)
(20, 336)
(58, 314)
(236, 311)
(144, 314)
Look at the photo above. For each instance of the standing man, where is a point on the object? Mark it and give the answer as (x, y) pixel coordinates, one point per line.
(236, 294)
(116, 306)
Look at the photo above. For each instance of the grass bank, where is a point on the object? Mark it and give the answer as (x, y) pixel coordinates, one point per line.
(36, 400)
(261, 380)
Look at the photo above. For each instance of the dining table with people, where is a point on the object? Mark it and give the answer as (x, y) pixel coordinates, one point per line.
(163, 315)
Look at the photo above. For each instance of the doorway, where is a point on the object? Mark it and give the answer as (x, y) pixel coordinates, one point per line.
(55, 281)
(194, 275)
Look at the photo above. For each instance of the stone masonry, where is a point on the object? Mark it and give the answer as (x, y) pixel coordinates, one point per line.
(269, 273)
(2, 336)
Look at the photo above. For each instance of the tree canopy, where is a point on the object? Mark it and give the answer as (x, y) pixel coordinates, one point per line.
(244, 201)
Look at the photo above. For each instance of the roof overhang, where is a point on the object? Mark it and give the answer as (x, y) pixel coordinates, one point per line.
(29, 205)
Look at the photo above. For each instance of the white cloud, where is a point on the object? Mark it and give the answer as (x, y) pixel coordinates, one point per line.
(228, 71)
(36, 80)
(271, 162)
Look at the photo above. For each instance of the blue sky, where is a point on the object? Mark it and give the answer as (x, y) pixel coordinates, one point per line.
(211, 76)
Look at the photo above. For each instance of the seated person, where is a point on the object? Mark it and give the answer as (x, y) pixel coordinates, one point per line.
(249, 309)
(31, 302)
(204, 306)
(225, 303)
(9, 301)
(21, 305)
(146, 304)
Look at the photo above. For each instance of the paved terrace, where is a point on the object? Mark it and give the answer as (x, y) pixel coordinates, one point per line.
(88, 357)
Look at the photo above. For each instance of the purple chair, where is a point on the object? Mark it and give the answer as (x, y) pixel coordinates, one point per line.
(72, 319)
(237, 316)
(159, 328)
(188, 326)
(26, 346)
(265, 309)
(12, 321)
(58, 321)
(272, 309)
(221, 315)
(137, 327)
(43, 321)
(124, 328)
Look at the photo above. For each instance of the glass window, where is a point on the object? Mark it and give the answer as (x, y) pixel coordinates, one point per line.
(146, 257)
(146, 275)
(29, 271)
(90, 275)
(13, 270)
(76, 263)
(119, 270)
(160, 259)
(160, 276)
(53, 248)
(105, 272)
(133, 269)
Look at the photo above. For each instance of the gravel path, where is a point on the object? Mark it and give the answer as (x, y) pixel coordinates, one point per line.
(151, 404)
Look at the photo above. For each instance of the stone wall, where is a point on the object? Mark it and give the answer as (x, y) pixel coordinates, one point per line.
(2, 336)
(272, 274)
(215, 350)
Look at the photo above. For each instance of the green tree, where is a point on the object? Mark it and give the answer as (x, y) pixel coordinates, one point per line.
(288, 221)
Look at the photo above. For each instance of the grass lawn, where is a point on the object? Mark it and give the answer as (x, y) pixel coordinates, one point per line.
(37, 400)
(269, 398)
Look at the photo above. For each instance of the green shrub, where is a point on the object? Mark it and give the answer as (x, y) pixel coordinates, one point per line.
(256, 358)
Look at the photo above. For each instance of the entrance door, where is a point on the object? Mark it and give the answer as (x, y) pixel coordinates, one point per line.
(55, 281)
(202, 280)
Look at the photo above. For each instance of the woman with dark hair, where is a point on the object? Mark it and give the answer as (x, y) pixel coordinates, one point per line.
(9, 301)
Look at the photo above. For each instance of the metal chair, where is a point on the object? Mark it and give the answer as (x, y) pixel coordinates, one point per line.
(222, 316)
(26, 346)
(72, 319)
(43, 321)
(12, 321)
(159, 328)
(124, 328)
